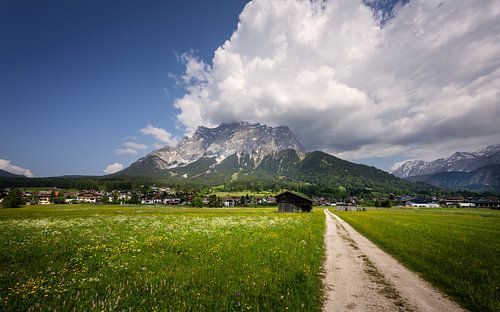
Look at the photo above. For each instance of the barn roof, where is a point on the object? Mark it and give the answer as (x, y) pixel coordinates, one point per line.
(301, 195)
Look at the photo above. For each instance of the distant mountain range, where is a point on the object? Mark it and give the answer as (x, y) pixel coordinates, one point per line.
(479, 170)
(252, 153)
(6, 174)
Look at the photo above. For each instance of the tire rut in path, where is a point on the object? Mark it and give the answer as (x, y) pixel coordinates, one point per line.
(361, 277)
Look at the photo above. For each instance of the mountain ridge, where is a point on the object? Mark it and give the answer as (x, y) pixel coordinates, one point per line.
(457, 162)
(477, 171)
(255, 153)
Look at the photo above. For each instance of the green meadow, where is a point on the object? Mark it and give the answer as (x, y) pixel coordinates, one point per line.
(86, 258)
(457, 250)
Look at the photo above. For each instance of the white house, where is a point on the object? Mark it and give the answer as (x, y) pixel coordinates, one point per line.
(44, 198)
(466, 205)
(87, 197)
(147, 201)
(422, 205)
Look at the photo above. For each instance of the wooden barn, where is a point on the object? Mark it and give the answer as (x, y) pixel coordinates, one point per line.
(341, 206)
(289, 201)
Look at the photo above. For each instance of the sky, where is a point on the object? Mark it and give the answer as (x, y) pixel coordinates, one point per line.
(88, 87)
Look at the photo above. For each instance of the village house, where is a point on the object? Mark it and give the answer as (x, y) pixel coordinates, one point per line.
(422, 203)
(87, 197)
(171, 201)
(147, 201)
(124, 196)
(44, 198)
(487, 203)
(451, 201)
(405, 199)
(266, 201)
(466, 205)
(230, 201)
(289, 201)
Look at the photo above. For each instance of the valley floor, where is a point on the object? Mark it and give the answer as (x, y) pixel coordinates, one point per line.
(88, 258)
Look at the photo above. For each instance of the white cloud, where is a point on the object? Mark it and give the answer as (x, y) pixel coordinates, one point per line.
(159, 134)
(423, 85)
(130, 148)
(158, 145)
(113, 168)
(9, 167)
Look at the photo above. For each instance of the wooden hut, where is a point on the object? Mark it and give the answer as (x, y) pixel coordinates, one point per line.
(341, 206)
(289, 201)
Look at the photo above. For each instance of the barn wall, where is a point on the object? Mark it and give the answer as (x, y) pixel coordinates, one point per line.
(289, 207)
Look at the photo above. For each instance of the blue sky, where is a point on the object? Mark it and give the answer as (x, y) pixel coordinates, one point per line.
(80, 79)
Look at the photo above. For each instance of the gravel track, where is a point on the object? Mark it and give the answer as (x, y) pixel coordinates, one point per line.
(362, 277)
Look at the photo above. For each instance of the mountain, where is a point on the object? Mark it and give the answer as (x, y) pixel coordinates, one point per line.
(486, 178)
(468, 170)
(259, 156)
(6, 174)
(458, 162)
(245, 140)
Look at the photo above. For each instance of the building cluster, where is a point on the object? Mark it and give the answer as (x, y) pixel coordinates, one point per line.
(352, 203)
(150, 196)
(456, 201)
(169, 196)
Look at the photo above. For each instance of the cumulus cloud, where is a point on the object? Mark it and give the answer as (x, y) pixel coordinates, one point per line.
(9, 167)
(426, 83)
(159, 134)
(130, 148)
(113, 168)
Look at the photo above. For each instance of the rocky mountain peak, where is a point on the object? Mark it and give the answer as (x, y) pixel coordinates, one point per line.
(458, 162)
(241, 139)
(492, 149)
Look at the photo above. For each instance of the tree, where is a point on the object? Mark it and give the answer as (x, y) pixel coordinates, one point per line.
(243, 200)
(52, 197)
(134, 200)
(341, 191)
(386, 203)
(14, 199)
(115, 198)
(197, 202)
(212, 200)
(59, 199)
(105, 199)
(218, 202)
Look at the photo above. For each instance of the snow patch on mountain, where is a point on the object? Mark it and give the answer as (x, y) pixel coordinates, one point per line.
(458, 162)
(240, 139)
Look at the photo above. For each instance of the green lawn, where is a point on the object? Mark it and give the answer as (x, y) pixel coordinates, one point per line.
(145, 258)
(458, 250)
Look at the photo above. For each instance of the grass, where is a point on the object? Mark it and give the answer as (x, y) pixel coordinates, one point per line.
(457, 250)
(107, 258)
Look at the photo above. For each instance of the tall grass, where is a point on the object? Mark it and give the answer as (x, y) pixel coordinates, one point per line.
(458, 250)
(171, 259)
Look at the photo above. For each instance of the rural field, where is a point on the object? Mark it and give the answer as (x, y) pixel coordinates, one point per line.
(86, 257)
(107, 258)
(457, 250)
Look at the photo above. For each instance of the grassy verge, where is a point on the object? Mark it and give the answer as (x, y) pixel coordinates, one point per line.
(177, 259)
(458, 250)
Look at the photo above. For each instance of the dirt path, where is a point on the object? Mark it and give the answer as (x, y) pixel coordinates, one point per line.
(362, 277)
